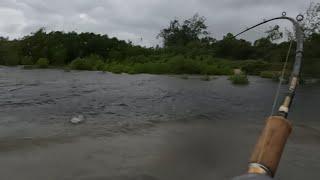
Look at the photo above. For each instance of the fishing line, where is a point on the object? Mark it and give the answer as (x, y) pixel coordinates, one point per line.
(284, 108)
(269, 148)
(275, 101)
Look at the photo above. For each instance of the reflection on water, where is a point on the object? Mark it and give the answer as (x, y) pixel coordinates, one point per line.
(132, 110)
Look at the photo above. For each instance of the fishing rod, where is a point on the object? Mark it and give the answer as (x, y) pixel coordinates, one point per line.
(267, 152)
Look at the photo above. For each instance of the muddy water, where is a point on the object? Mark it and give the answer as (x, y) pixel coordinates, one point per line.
(144, 127)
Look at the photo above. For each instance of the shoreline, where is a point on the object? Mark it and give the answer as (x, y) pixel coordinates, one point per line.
(306, 80)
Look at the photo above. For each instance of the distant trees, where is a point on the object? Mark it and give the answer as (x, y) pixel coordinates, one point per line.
(191, 38)
(61, 48)
(9, 52)
(311, 22)
(182, 33)
(188, 47)
(180, 38)
(230, 47)
(58, 55)
(274, 33)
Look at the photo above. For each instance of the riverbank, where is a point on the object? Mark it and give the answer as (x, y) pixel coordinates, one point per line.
(207, 75)
(204, 65)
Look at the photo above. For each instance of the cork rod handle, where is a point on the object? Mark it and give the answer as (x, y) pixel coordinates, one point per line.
(270, 145)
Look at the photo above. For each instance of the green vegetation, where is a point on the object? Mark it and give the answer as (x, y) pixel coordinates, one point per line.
(254, 67)
(42, 63)
(187, 48)
(90, 63)
(26, 60)
(311, 67)
(239, 79)
(172, 65)
(275, 75)
(80, 64)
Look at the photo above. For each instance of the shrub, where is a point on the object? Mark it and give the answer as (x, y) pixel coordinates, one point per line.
(90, 63)
(116, 68)
(311, 68)
(168, 64)
(11, 59)
(191, 66)
(26, 60)
(182, 65)
(152, 68)
(254, 67)
(176, 64)
(95, 62)
(239, 79)
(42, 63)
(216, 70)
(80, 64)
(98, 65)
(58, 55)
(138, 59)
(171, 65)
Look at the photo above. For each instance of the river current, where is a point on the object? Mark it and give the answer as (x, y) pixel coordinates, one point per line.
(144, 127)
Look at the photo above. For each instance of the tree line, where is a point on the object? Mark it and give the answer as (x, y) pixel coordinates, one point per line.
(188, 39)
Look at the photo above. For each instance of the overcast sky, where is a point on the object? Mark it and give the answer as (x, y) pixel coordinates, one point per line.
(139, 20)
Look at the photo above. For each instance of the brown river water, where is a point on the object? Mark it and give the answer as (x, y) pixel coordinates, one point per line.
(144, 127)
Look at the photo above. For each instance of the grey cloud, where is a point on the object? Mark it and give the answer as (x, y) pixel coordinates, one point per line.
(136, 19)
